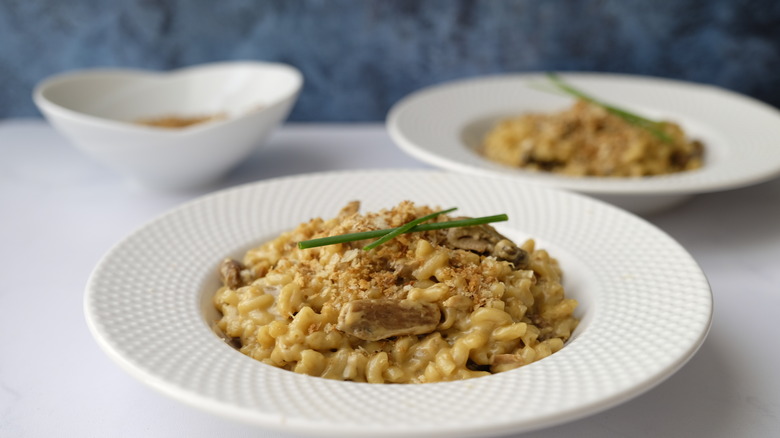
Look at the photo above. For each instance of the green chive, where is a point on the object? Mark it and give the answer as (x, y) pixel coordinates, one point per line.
(344, 238)
(652, 126)
(404, 228)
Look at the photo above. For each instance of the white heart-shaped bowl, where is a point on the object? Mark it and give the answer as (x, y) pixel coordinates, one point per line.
(98, 110)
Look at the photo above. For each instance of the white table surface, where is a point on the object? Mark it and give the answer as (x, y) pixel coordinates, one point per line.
(60, 212)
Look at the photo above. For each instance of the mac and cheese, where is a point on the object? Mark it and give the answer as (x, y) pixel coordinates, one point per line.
(423, 307)
(586, 140)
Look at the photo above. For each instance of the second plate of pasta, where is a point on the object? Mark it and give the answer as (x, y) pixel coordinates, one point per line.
(448, 125)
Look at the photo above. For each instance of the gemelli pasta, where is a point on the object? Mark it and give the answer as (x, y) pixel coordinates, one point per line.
(427, 306)
(586, 140)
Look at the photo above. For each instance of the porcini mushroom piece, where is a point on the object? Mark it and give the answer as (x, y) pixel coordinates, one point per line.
(479, 238)
(505, 249)
(484, 239)
(372, 320)
(230, 273)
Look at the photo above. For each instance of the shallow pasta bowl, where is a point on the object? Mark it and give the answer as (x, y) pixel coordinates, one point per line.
(148, 304)
(100, 111)
(444, 125)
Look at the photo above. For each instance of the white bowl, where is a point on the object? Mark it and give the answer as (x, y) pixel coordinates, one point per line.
(645, 306)
(98, 110)
(444, 125)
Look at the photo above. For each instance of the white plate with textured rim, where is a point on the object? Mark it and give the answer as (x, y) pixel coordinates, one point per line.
(148, 305)
(444, 125)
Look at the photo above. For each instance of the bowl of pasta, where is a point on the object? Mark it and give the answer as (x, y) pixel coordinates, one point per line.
(377, 310)
(644, 144)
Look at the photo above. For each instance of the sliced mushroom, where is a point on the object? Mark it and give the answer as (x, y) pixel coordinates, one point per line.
(484, 239)
(470, 239)
(230, 273)
(372, 320)
(505, 249)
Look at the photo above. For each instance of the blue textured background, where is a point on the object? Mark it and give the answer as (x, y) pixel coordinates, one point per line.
(359, 57)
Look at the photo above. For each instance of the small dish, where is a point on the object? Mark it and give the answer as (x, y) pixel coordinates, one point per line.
(444, 125)
(148, 304)
(100, 111)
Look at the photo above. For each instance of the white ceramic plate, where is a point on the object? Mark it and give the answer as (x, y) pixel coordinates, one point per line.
(645, 307)
(444, 125)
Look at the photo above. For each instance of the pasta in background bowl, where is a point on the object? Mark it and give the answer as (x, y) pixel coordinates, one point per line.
(149, 305)
(588, 140)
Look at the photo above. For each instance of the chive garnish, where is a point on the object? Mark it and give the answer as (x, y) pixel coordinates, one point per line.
(652, 126)
(404, 228)
(344, 238)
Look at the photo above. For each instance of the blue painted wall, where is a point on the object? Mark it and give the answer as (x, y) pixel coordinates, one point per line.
(360, 56)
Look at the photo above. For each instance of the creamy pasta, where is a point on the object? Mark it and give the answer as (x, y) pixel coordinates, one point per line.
(424, 307)
(586, 140)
